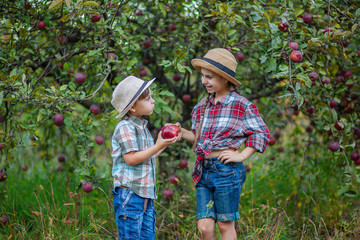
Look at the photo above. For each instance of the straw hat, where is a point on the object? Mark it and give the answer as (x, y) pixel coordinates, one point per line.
(220, 61)
(127, 92)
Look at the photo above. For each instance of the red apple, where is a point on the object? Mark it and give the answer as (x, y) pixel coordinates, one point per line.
(177, 77)
(340, 125)
(280, 149)
(339, 79)
(345, 43)
(334, 146)
(283, 27)
(79, 77)
(308, 129)
(168, 194)
(174, 179)
(24, 168)
(4, 220)
(347, 74)
(147, 43)
(326, 80)
(41, 25)
(310, 110)
(2, 146)
(313, 76)
(95, 109)
(229, 49)
(58, 119)
(354, 156)
(3, 175)
(96, 18)
(99, 140)
(141, 67)
(139, 14)
(333, 103)
(87, 187)
(183, 163)
(308, 18)
(272, 141)
(143, 73)
(357, 162)
(172, 27)
(186, 97)
(294, 45)
(27, 5)
(296, 56)
(70, 71)
(359, 53)
(239, 56)
(1, 118)
(170, 131)
(61, 158)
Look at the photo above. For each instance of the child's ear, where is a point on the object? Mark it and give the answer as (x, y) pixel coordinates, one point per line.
(132, 109)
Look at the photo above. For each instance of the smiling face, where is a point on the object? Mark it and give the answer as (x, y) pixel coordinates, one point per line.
(214, 83)
(144, 106)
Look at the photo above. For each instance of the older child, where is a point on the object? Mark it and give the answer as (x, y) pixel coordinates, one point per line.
(134, 163)
(221, 123)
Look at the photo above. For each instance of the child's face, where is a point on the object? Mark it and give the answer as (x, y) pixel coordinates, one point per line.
(144, 106)
(213, 82)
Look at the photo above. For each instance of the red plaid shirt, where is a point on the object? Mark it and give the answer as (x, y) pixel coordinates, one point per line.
(227, 124)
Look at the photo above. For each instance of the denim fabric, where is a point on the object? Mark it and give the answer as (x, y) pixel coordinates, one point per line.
(132, 222)
(218, 192)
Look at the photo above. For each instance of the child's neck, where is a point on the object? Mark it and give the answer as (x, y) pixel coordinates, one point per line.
(220, 94)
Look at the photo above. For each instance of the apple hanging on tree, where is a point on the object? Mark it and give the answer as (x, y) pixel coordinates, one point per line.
(95, 109)
(41, 25)
(61, 158)
(294, 45)
(334, 146)
(58, 119)
(96, 18)
(283, 27)
(79, 77)
(296, 56)
(3, 175)
(87, 187)
(174, 179)
(99, 140)
(240, 56)
(183, 163)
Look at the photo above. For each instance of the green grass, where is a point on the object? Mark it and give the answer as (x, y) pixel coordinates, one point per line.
(293, 196)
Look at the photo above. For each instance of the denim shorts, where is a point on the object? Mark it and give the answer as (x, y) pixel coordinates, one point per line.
(218, 192)
(132, 222)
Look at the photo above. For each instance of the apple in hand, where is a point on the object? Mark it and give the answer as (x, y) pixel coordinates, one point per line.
(170, 131)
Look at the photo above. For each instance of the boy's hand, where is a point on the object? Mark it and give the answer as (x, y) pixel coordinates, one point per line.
(166, 142)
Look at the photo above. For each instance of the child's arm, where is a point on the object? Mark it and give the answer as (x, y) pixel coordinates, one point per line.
(189, 136)
(134, 158)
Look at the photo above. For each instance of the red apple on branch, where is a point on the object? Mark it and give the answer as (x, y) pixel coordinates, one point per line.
(296, 56)
(95, 109)
(239, 56)
(334, 146)
(41, 25)
(96, 18)
(294, 45)
(183, 163)
(308, 18)
(354, 156)
(79, 77)
(99, 140)
(87, 187)
(283, 27)
(58, 119)
(174, 179)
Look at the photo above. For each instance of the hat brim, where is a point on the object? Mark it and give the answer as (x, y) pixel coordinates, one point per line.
(199, 63)
(123, 112)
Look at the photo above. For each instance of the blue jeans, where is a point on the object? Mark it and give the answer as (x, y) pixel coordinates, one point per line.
(132, 222)
(218, 192)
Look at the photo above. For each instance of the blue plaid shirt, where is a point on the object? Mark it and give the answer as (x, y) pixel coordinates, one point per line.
(227, 124)
(132, 135)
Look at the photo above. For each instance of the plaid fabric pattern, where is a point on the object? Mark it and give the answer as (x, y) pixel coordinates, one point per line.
(227, 124)
(133, 135)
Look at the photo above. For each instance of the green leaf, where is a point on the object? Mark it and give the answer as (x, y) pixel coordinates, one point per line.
(271, 65)
(63, 87)
(357, 13)
(90, 3)
(55, 4)
(334, 115)
(166, 93)
(342, 190)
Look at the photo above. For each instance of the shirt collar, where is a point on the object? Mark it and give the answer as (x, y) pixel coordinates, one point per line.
(140, 122)
(225, 100)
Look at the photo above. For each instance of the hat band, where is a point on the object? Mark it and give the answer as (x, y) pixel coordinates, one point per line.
(136, 95)
(220, 66)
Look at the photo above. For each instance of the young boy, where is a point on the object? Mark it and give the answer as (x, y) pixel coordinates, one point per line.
(134, 163)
